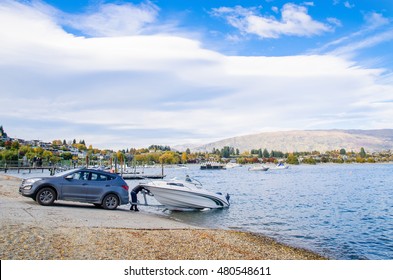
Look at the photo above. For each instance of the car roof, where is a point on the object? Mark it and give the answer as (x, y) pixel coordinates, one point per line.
(87, 170)
(97, 171)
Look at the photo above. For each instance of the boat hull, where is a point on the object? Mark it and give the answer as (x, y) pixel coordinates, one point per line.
(176, 198)
(280, 167)
(258, 169)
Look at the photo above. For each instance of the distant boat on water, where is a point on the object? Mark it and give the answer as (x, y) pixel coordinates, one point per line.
(212, 165)
(280, 166)
(230, 165)
(181, 166)
(258, 168)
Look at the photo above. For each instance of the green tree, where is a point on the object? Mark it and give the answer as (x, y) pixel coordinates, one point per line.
(67, 156)
(309, 161)
(225, 152)
(2, 132)
(46, 155)
(292, 159)
(15, 145)
(343, 152)
(266, 153)
(277, 154)
(10, 155)
(362, 153)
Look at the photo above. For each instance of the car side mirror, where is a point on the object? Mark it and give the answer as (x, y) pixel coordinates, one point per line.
(69, 177)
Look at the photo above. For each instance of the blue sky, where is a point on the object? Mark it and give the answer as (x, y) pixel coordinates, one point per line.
(123, 74)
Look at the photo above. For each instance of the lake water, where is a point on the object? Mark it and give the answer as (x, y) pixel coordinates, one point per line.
(340, 211)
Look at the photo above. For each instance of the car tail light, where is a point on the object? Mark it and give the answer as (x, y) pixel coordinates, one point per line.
(125, 187)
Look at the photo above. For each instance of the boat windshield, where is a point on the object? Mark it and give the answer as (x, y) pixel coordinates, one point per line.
(175, 184)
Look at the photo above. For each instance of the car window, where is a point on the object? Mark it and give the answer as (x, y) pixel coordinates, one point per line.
(94, 177)
(100, 177)
(97, 177)
(81, 175)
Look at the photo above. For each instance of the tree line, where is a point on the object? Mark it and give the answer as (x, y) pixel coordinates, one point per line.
(62, 150)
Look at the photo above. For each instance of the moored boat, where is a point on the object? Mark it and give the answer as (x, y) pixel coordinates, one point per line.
(280, 166)
(258, 168)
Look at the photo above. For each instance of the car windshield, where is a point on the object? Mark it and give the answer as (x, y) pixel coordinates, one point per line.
(64, 173)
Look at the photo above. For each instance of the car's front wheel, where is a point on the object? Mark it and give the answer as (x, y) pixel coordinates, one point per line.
(110, 202)
(46, 196)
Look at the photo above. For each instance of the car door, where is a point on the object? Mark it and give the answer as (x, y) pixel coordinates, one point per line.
(75, 186)
(98, 185)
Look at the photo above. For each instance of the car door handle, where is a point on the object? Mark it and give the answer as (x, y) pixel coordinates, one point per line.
(107, 185)
(84, 184)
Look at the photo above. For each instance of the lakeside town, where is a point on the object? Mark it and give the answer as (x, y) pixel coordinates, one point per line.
(34, 153)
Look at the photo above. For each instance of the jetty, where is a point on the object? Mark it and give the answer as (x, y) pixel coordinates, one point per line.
(52, 169)
(126, 175)
(134, 174)
(212, 165)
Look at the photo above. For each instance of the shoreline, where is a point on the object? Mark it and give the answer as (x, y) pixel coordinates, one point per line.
(73, 231)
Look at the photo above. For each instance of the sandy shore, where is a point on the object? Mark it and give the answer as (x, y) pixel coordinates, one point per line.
(82, 232)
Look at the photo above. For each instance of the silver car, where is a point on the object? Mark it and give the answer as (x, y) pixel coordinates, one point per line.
(84, 185)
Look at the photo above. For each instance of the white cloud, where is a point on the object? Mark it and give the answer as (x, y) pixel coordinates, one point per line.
(114, 19)
(376, 30)
(374, 20)
(295, 21)
(348, 5)
(311, 4)
(121, 92)
(354, 47)
(334, 21)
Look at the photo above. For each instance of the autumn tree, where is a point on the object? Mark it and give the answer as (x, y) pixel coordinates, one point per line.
(169, 158)
(184, 157)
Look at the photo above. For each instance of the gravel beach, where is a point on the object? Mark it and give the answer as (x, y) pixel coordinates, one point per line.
(76, 231)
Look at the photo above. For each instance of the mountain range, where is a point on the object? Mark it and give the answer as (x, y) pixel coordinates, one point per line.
(306, 140)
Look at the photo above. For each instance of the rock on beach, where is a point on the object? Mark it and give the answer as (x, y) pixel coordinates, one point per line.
(76, 231)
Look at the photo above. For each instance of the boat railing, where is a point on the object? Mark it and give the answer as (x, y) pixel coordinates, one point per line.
(197, 183)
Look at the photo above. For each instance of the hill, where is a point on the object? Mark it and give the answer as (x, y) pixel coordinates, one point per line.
(308, 140)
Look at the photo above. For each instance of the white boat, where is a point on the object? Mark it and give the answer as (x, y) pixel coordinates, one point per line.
(185, 195)
(259, 168)
(230, 165)
(181, 166)
(280, 166)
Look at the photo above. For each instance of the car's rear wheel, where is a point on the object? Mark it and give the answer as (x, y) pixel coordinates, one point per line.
(46, 196)
(110, 202)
